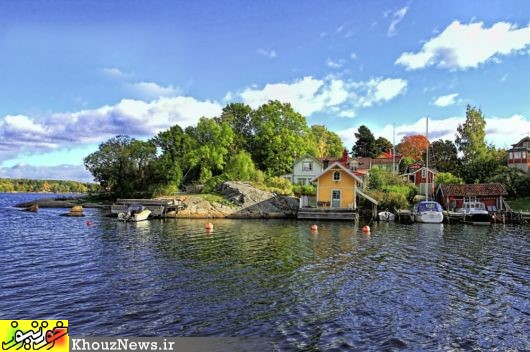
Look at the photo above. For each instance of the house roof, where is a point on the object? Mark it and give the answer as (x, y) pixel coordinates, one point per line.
(421, 168)
(344, 168)
(481, 189)
(520, 143)
(305, 157)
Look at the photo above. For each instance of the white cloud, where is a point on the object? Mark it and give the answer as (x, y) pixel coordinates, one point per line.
(397, 17)
(335, 64)
(115, 72)
(446, 100)
(151, 90)
(378, 90)
(133, 117)
(271, 54)
(501, 131)
(310, 95)
(59, 172)
(462, 46)
(353, 56)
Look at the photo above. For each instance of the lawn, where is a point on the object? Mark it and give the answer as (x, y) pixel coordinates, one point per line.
(520, 204)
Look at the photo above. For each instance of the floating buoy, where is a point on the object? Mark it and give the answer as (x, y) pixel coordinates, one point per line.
(314, 227)
(208, 226)
(366, 229)
(89, 223)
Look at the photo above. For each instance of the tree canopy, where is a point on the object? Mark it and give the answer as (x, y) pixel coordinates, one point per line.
(413, 146)
(365, 145)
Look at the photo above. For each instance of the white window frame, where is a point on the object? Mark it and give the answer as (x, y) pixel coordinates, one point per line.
(309, 164)
(336, 173)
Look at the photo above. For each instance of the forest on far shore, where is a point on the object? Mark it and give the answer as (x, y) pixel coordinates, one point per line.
(50, 186)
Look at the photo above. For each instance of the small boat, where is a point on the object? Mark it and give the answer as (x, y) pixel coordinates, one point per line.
(386, 216)
(135, 213)
(428, 211)
(475, 213)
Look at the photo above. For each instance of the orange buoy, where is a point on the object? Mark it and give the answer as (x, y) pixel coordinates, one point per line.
(208, 226)
(366, 228)
(314, 227)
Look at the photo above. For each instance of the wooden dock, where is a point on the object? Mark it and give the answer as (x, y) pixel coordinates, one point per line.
(160, 208)
(404, 216)
(344, 214)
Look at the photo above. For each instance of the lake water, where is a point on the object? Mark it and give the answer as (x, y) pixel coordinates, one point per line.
(412, 287)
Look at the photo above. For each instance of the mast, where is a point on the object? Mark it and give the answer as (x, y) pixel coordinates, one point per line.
(427, 162)
(394, 149)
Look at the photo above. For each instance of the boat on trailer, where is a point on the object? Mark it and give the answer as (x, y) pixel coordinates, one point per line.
(134, 213)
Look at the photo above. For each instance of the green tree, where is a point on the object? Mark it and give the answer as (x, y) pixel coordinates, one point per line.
(365, 145)
(443, 156)
(209, 147)
(327, 143)
(240, 167)
(445, 178)
(383, 145)
(238, 116)
(173, 144)
(470, 136)
(280, 136)
(120, 165)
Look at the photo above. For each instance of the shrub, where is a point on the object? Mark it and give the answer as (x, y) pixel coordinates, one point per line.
(306, 190)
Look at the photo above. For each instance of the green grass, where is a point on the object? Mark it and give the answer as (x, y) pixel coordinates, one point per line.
(520, 204)
(215, 198)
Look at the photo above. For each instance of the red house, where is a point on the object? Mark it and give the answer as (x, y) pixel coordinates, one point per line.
(421, 177)
(491, 194)
(519, 155)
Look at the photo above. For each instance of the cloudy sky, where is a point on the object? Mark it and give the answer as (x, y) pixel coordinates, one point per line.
(74, 73)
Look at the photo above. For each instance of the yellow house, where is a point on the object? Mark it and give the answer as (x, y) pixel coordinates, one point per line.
(336, 187)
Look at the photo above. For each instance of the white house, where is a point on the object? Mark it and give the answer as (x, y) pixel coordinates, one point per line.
(305, 169)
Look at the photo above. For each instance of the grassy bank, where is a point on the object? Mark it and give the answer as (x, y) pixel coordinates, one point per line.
(520, 204)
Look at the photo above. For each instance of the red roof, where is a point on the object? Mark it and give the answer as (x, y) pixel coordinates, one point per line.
(480, 190)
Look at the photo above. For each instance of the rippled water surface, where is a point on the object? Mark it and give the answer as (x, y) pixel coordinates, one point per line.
(412, 287)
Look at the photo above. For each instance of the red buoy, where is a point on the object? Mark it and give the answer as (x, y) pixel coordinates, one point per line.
(89, 223)
(314, 227)
(366, 229)
(208, 226)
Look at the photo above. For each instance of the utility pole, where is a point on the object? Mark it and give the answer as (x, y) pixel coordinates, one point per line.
(394, 149)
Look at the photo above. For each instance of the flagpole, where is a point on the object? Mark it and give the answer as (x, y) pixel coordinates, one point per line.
(427, 163)
(394, 149)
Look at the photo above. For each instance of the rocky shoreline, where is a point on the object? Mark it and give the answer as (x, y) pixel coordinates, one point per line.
(240, 200)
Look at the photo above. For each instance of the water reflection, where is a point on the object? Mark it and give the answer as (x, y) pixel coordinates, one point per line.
(422, 286)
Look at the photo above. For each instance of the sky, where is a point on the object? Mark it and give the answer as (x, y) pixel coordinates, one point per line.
(75, 73)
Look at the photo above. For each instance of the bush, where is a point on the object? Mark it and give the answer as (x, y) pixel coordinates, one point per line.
(389, 200)
(305, 190)
(213, 183)
(279, 185)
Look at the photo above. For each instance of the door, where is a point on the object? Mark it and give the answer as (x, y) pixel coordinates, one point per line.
(335, 198)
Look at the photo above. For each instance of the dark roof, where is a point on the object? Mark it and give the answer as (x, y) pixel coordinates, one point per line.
(520, 143)
(481, 189)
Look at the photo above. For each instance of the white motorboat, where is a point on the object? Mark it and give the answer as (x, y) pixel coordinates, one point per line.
(428, 211)
(386, 216)
(475, 213)
(135, 213)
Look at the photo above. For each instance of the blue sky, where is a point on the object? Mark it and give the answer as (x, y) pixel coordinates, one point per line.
(75, 73)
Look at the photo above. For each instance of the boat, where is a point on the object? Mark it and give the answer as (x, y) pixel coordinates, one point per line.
(386, 216)
(475, 213)
(428, 211)
(134, 213)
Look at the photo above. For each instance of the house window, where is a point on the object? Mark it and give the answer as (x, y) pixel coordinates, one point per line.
(336, 176)
(307, 166)
(423, 173)
(301, 181)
